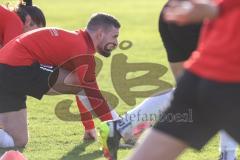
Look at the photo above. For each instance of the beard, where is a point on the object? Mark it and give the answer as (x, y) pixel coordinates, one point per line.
(104, 52)
(105, 49)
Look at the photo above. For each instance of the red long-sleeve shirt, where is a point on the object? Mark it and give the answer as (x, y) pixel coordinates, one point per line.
(10, 25)
(58, 47)
(218, 54)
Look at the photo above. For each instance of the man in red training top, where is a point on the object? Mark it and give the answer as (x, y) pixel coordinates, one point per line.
(210, 85)
(26, 17)
(73, 55)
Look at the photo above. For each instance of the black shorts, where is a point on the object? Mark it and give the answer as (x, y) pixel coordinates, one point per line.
(18, 82)
(199, 109)
(179, 41)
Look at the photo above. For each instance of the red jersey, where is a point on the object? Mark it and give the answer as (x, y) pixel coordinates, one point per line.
(10, 25)
(58, 47)
(218, 54)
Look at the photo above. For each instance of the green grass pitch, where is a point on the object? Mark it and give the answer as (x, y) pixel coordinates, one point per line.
(54, 139)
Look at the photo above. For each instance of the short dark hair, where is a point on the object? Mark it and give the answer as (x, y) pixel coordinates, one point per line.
(25, 8)
(104, 20)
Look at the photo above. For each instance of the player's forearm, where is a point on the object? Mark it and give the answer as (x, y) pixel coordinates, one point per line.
(208, 8)
(230, 4)
(192, 11)
(86, 116)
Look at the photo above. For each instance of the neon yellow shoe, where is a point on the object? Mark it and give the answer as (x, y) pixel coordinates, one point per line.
(109, 139)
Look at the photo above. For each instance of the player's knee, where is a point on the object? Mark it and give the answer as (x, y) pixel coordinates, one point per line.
(71, 79)
(21, 141)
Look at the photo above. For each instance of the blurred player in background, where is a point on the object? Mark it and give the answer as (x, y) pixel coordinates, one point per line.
(179, 42)
(211, 92)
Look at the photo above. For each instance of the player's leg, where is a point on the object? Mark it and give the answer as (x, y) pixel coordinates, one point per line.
(62, 81)
(14, 130)
(13, 115)
(177, 68)
(65, 82)
(223, 104)
(228, 147)
(230, 118)
(158, 146)
(176, 132)
(56, 81)
(14, 120)
(145, 113)
(133, 122)
(86, 116)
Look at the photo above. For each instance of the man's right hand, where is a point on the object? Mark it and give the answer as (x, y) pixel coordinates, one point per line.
(191, 11)
(90, 135)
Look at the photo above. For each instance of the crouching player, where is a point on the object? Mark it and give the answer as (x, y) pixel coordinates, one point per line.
(72, 54)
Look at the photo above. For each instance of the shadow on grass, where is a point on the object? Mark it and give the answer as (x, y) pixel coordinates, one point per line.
(78, 153)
